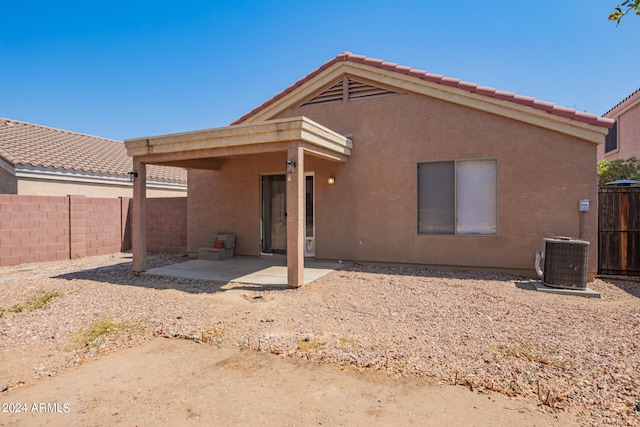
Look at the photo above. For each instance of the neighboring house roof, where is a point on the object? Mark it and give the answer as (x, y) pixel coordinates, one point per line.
(624, 105)
(32, 146)
(394, 73)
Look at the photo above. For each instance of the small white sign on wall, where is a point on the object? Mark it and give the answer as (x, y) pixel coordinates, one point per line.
(584, 205)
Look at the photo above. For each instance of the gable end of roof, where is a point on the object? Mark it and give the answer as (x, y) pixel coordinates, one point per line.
(624, 105)
(438, 79)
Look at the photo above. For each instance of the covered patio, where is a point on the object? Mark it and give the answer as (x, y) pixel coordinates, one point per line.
(210, 149)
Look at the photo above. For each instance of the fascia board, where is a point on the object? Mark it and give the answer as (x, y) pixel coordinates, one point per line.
(406, 83)
(63, 175)
(250, 134)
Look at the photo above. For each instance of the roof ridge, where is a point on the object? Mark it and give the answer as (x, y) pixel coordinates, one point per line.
(491, 92)
(623, 101)
(57, 129)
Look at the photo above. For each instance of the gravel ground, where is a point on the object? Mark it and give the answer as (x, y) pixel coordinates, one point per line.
(489, 332)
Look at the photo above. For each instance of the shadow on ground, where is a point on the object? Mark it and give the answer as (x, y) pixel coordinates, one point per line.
(122, 274)
(630, 285)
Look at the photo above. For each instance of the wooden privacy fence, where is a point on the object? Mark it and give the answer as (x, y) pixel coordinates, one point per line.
(619, 231)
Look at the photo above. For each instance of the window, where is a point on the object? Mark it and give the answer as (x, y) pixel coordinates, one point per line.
(458, 197)
(611, 142)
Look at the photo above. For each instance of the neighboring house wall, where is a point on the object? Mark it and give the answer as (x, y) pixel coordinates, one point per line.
(8, 182)
(370, 213)
(627, 116)
(48, 228)
(53, 188)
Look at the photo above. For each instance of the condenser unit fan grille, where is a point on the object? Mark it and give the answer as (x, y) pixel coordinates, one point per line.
(565, 263)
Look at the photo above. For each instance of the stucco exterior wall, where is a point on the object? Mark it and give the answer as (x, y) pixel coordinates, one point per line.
(8, 183)
(228, 200)
(628, 136)
(370, 213)
(167, 224)
(57, 188)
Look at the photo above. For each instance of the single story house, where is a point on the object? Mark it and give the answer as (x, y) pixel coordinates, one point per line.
(366, 160)
(623, 141)
(39, 160)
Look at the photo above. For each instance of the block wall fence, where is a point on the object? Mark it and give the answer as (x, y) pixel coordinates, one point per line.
(45, 228)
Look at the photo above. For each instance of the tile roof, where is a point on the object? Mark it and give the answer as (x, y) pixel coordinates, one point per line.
(629, 99)
(23, 143)
(440, 79)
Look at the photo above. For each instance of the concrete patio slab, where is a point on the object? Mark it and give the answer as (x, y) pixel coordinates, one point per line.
(270, 271)
(587, 292)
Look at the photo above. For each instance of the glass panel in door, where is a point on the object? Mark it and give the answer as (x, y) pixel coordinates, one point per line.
(274, 220)
(274, 216)
(309, 238)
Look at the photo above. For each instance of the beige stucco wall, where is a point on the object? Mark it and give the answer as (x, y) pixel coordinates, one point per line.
(228, 200)
(8, 183)
(57, 188)
(370, 213)
(628, 136)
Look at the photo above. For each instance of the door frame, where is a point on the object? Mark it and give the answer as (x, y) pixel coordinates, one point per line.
(307, 253)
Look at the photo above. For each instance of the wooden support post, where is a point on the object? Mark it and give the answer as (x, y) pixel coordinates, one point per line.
(139, 232)
(295, 217)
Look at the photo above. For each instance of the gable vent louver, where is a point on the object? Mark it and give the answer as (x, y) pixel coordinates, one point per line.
(333, 94)
(347, 89)
(362, 90)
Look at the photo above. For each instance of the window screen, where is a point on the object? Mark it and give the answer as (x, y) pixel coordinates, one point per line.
(611, 142)
(436, 198)
(458, 197)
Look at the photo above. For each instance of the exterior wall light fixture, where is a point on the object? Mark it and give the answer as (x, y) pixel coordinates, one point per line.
(331, 180)
(291, 166)
(131, 176)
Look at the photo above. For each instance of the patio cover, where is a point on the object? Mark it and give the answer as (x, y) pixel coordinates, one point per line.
(207, 149)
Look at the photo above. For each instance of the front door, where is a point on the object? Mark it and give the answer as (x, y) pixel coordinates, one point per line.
(274, 215)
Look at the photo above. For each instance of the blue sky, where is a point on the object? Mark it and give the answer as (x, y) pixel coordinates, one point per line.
(125, 69)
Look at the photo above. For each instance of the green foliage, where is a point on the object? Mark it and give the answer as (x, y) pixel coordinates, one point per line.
(618, 169)
(310, 346)
(624, 8)
(34, 303)
(100, 329)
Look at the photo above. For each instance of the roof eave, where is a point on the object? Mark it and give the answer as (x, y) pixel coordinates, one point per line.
(585, 126)
(7, 166)
(68, 175)
(249, 135)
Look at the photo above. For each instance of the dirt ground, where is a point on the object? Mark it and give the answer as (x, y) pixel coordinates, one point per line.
(180, 382)
(87, 342)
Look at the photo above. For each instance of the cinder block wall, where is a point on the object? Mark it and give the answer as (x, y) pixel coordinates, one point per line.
(103, 226)
(45, 228)
(33, 229)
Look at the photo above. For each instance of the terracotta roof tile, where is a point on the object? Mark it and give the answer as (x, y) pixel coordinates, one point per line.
(448, 81)
(635, 94)
(23, 143)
